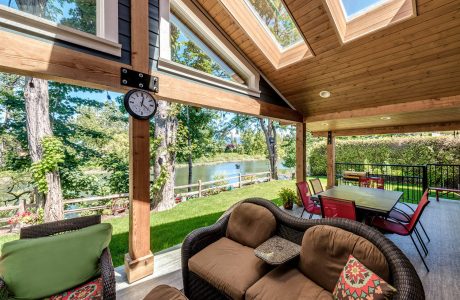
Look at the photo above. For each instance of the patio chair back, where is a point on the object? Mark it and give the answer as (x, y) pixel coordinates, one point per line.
(316, 186)
(424, 201)
(364, 182)
(302, 188)
(372, 182)
(337, 208)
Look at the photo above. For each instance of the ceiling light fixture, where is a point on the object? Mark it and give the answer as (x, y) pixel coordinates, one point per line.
(325, 94)
(385, 118)
(325, 124)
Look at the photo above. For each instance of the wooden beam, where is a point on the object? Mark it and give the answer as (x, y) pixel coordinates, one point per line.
(447, 126)
(330, 160)
(301, 152)
(31, 57)
(413, 106)
(139, 260)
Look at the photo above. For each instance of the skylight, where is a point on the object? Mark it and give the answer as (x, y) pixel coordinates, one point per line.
(276, 19)
(187, 49)
(354, 8)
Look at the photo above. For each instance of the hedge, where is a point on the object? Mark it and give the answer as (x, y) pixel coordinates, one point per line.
(388, 150)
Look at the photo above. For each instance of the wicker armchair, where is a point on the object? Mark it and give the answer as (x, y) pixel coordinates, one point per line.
(47, 229)
(403, 275)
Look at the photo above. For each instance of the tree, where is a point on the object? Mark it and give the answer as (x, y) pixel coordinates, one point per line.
(269, 130)
(164, 169)
(36, 96)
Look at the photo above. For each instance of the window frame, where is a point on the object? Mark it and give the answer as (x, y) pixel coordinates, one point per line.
(369, 20)
(105, 40)
(264, 39)
(205, 30)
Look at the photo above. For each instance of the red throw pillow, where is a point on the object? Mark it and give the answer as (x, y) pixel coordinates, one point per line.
(358, 282)
(89, 291)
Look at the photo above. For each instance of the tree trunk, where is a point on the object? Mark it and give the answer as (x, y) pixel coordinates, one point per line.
(270, 139)
(165, 132)
(189, 144)
(39, 126)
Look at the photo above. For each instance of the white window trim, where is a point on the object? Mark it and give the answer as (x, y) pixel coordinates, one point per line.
(105, 40)
(188, 11)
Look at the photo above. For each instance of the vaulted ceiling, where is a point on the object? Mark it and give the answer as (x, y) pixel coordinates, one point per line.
(416, 59)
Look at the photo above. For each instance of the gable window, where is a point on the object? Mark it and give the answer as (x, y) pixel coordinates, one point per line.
(189, 50)
(89, 23)
(354, 19)
(272, 29)
(192, 47)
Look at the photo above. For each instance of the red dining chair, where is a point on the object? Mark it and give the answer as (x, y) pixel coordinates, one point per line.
(403, 216)
(364, 182)
(316, 185)
(394, 226)
(337, 208)
(372, 182)
(309, 205)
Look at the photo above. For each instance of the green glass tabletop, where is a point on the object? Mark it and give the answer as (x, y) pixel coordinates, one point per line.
(366, 198)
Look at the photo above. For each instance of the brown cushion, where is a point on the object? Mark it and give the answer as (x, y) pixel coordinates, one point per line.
(286, 282)
(325, 251)
(228, 266)
(165, 292)
(251, 225)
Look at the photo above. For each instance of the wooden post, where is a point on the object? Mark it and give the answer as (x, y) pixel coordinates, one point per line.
(330, 160)
(200, 188)
(139, 260)
(301, 152)
(240, 184)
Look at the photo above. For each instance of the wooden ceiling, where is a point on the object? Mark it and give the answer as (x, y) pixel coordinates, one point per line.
(416, 59)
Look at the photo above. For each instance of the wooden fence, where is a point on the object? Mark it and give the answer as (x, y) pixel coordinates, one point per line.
(200, 188)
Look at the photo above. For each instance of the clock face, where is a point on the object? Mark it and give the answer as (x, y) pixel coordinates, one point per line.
(140, 104)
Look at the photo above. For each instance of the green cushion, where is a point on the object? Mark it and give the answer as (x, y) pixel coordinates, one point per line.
(42, 267)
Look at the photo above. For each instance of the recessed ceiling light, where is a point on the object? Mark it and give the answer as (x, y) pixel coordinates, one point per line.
(385, 118)
(325, 124)
(325, 94)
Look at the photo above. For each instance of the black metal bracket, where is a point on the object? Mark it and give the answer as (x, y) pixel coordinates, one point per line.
(329, 137)
(139, 80)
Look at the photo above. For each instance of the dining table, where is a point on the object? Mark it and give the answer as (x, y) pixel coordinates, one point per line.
(370, 200)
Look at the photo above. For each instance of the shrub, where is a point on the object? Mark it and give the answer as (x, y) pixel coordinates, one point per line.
(388, 150)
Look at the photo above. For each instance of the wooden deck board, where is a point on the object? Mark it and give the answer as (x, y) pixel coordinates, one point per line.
(440, 220)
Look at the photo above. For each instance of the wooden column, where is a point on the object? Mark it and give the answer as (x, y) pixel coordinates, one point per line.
(301, 152)
(139, 260)
(330, 160)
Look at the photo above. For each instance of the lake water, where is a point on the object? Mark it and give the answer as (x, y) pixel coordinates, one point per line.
(227, 169)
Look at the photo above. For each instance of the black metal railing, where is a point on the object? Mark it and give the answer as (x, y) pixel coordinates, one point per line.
(412, 180)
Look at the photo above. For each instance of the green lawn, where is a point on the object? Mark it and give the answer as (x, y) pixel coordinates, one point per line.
(168, 228)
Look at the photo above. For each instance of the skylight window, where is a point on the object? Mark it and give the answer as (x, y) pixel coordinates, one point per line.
(356, 18)
(354, 8)
(274, 16)
(187, 49)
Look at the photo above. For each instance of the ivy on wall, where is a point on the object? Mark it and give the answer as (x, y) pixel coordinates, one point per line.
(388, 150)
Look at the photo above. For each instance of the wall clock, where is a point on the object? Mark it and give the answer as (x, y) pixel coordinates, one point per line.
(140, 104)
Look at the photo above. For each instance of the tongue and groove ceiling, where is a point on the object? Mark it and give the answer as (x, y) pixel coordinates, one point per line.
(415, 59)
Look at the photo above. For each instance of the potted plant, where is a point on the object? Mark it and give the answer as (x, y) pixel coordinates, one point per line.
(288, 197)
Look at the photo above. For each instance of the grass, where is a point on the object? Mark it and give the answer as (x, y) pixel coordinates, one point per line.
(169, 228)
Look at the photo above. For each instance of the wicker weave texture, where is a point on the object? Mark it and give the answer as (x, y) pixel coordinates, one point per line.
(403, 275)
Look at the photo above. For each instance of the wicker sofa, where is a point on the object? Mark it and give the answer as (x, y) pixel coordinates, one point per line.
(402, 274)
(106, 269)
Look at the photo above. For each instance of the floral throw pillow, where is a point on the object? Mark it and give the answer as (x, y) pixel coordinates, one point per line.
(89, 291)
(358, 282)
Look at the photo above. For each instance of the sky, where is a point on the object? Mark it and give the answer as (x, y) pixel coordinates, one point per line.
(354, 6)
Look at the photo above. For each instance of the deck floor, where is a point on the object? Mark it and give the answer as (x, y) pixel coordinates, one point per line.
(441, 220)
